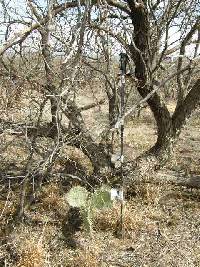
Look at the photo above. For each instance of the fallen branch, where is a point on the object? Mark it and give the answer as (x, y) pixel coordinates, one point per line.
(93, 105)
(173, 178)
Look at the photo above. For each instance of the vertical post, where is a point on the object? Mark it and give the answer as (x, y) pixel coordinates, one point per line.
(123, 64)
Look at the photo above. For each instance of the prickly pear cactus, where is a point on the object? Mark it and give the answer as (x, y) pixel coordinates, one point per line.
(77, 197)
(87, 219)
(101, 199)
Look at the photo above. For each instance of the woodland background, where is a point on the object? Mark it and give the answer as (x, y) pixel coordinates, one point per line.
(60, 84)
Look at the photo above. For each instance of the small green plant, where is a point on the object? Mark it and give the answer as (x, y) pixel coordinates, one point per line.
(79, 197)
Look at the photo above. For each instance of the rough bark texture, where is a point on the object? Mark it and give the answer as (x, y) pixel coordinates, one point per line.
(96, 152)
(78, 133)
(172, 178)
(140, 52)
(184, 111)
(168, 127)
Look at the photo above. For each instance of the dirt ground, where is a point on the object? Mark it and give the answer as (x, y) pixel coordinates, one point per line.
(161, 222)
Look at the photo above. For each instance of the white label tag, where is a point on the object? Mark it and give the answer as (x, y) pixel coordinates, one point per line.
(123, 80)
(119, 123)
(116, 194)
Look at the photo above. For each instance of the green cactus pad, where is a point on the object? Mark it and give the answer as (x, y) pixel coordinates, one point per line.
(77, 197)
(101, 199)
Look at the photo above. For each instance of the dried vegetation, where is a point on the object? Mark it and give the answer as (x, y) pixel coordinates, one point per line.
(161, 222)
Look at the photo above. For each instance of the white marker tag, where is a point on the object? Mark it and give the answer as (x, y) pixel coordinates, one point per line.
(119, 123)
(123, 80)
(116, 194)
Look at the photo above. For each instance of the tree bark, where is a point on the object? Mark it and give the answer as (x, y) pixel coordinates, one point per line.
(80, 134)
(96, 152)
(168, 127)
(140, 53)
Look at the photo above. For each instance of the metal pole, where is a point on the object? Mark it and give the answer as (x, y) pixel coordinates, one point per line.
(123, 63)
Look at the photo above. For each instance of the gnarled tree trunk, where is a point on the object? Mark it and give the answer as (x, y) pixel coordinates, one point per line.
(168, 127)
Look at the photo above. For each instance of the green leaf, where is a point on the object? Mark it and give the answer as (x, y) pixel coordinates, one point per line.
(77, 197)
(101, 199)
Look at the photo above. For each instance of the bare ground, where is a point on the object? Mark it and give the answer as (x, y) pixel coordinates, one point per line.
(161, 221)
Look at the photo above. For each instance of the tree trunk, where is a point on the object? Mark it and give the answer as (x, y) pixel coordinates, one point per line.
(79, 132)
(97, 153)
(168, 127)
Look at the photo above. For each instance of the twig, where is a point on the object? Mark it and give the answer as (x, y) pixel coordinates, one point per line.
(7, 199)
(160, 85)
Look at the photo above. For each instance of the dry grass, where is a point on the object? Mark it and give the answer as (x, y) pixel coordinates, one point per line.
(26, 248)
(50, 197)
(70, 156)
(31, 255)
(161, 229)
(161, 223)
(109, 219)
(86, 257)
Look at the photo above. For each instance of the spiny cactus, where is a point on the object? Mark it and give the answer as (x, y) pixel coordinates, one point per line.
(77, 197)
(87, 202)
(101, 199)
